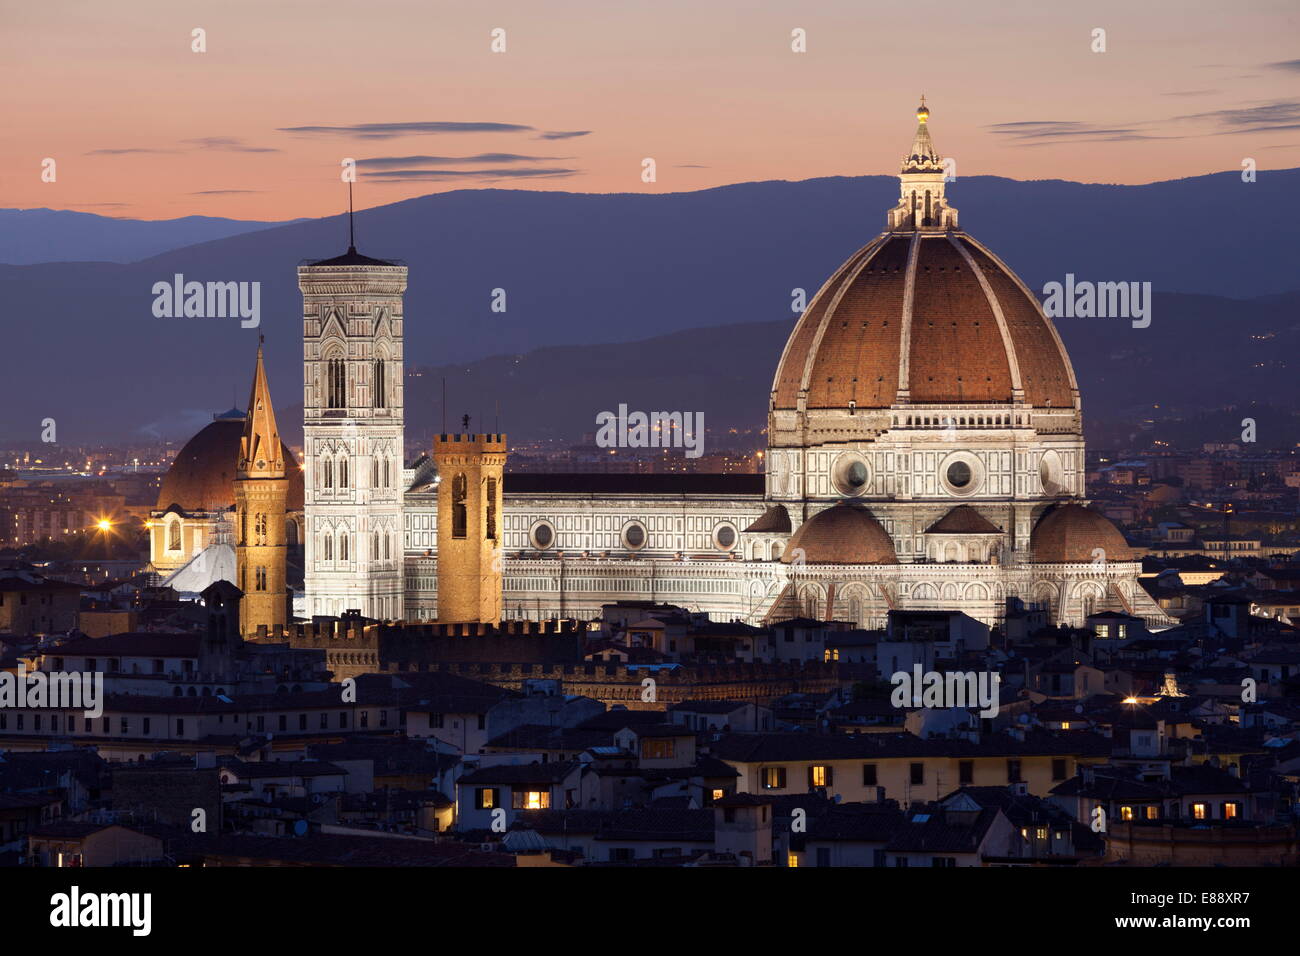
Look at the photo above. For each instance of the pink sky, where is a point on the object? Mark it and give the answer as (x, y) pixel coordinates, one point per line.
(142, 127)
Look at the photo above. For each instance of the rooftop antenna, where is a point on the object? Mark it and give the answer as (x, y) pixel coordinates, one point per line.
(352, 238)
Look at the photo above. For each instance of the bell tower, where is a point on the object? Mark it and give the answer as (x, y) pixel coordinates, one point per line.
(353, 435)
(470, 471)
(261, 489)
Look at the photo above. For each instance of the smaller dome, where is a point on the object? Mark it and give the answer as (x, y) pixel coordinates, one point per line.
(1070, 534)
(202, 478)
(842, 534)
(775, 520)
(963, 520)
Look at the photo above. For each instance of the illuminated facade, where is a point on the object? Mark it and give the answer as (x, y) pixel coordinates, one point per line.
(261, 489)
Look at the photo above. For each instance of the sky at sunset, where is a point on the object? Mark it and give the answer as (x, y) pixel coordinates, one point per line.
(141, 126)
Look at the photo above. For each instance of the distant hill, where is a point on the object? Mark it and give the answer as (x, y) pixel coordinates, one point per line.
(30, 236)
(581, 269)
(1200, 352)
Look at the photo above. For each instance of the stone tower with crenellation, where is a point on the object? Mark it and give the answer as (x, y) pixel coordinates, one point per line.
(470, 469)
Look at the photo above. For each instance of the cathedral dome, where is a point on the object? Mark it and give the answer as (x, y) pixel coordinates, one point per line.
(842, 534)
(202, 478)
(923, 314)
(934, 318)
(1071, 534)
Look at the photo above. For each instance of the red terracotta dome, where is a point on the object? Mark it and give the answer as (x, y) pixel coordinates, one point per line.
(933, 315)
(842, 534)
(202, 478)
(1071, 534)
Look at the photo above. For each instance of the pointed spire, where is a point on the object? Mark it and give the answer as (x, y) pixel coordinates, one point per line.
(922, 206)
(260, 451)
(923, 155)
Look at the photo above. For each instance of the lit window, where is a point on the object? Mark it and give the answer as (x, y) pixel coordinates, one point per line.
(1126, 814)
(817, 775)
(1231, 811)
(774, 778)
(532, 800)
(792, 860)
(1200, 811)
(1153, 813)
(1065, 725)
(717, 794)
(658, 749)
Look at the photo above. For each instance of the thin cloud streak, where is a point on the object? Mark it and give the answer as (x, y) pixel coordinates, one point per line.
(1269, 117)
(442, 175)
(1045, 132)
(394, 130)
(381, 162)
(126, 151)
(231, 144)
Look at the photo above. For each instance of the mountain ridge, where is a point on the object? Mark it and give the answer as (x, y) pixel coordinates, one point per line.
(584, 268)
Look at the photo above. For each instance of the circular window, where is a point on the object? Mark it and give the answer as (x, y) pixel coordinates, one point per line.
(851, 475)
(724, 537)
(542, 535)
(634, 536)
(961, 473)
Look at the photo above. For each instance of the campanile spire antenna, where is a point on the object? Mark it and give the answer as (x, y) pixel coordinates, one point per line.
(352, 237)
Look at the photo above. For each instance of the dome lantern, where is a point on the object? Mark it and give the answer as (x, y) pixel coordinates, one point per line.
(922, 206)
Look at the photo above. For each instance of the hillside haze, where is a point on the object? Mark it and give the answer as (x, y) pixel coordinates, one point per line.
(582, 269)
(60, 235)
(1126, 375)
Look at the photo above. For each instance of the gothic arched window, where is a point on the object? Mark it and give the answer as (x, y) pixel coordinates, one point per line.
(329, 472)
(343, 472)
(343, 546)
(336, 383)
(381, 385)
(174, 536)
